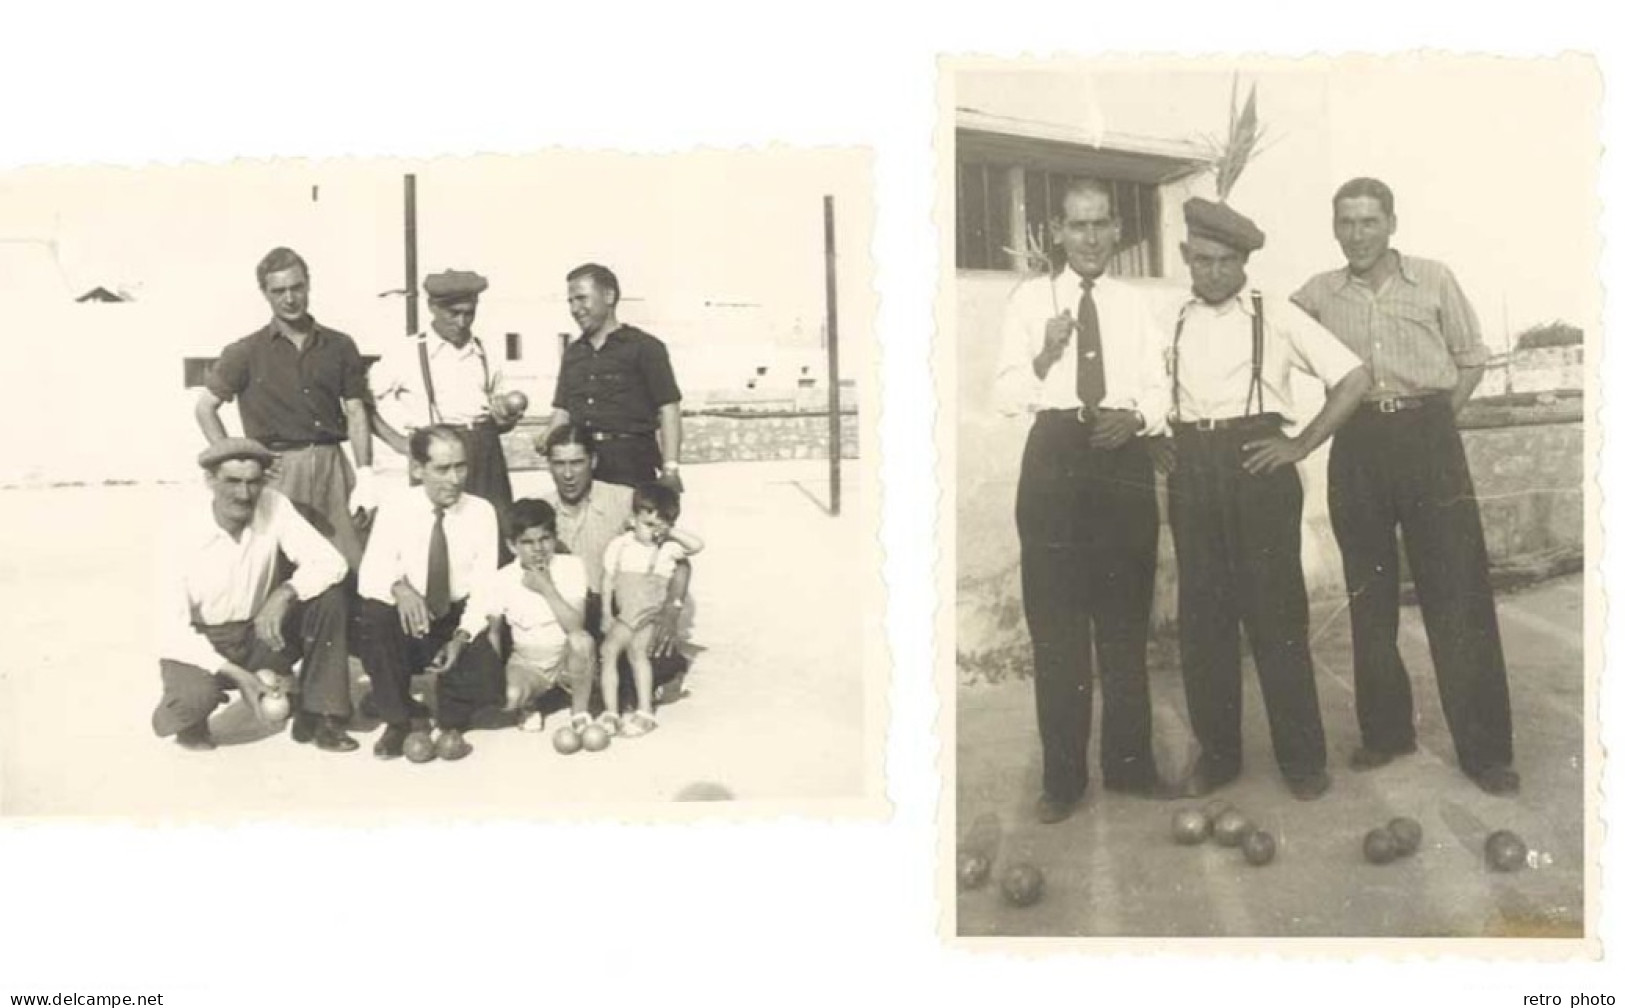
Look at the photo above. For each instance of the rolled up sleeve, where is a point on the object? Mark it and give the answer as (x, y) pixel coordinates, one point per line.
(1460, 324)
(228, 375)
(318, 566)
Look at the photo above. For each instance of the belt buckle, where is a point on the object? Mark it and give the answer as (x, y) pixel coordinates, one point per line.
(1207, 424)
(1085, 414)
(1388, 405)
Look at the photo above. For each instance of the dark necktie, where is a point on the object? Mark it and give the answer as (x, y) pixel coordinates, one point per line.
(1091, 367)
(438, 595)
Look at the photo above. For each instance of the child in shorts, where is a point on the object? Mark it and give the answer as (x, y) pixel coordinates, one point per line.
(638, 565)
(542, 596)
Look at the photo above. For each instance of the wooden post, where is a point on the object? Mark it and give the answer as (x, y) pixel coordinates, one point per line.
(833, 342)
(411, 195)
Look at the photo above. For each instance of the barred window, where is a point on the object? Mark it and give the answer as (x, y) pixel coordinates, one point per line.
(1001, 199)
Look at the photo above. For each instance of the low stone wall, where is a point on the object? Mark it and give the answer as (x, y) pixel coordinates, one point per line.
(1527, 458)
(723, 437)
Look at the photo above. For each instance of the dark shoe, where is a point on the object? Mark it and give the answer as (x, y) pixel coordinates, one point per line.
(330, 736)
(1203, 782)
(1366, 758)
(1309, 788)
(1497, 780)
(1054, 810)
(392, 743)
(451, 745)
(303, 728)
(195, 738)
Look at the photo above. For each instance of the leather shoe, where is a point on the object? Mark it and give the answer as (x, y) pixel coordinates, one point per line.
(1366, 758)
(303, 728)
(330, 736)
(392, 743)
(1203, 782)
(1497, 780)
(1054, 810)
(1309, 788)
(451, 745)
(195, 738)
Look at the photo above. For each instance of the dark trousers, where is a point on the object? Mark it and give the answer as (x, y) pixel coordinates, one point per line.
(392, 658)
(1237, 538)
(628, 459)
(488, 478)
(1407, 469)
(1087, 520)
(314, 634)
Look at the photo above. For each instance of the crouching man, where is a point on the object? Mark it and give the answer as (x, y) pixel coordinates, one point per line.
(234, 626)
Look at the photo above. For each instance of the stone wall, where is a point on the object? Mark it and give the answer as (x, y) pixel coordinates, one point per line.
(724, 437)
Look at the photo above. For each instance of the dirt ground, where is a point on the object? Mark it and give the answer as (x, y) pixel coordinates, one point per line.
(774, 713)
(1113, 869)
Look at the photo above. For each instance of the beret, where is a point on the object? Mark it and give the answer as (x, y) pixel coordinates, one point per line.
(451, 285)
(227, 449)
(1217, 222)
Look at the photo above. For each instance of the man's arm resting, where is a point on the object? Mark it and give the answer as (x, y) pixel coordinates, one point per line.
(207, 413)
(359, 427)
(1467, 379)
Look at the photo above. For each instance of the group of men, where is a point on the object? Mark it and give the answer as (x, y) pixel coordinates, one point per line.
(1117, 393)
(301, 559)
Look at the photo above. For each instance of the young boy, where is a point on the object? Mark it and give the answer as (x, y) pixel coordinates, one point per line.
(542, 596)
(637, 565)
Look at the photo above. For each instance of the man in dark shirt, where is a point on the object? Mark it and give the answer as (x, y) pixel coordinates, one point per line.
(301, 391)
(617, 380)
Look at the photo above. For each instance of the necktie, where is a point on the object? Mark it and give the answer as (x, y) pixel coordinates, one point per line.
(1091, 367)
(438, 595)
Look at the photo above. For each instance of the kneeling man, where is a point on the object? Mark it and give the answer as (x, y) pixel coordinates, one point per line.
(430, 545)
(234, 627)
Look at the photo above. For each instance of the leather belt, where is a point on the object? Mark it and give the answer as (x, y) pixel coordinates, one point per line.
(1081, 414)
(1230, 423)
(1398, 404)
(601, 435)
(287, 446)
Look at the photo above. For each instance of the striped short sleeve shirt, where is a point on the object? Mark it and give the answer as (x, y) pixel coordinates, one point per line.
(1413, 332)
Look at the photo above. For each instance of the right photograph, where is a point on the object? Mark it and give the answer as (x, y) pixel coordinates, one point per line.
(1268, 436)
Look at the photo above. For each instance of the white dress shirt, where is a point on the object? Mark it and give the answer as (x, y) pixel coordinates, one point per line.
(211, 578)
(399, 544)
(537, 636)
(1215, 357)
(464, 382)
(1132, 346)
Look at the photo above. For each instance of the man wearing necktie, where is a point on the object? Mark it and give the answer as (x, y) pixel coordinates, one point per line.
(1092, 377)
(430, 545)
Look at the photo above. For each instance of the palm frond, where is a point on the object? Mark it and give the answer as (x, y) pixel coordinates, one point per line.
(1241, 141)
(1035, 258)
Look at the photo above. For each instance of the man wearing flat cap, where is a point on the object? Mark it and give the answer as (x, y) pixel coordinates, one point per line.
(443, 375)
(1082, 356)
(617, 380)
(1399, 463)
(1236, 503)
(301, 391)
(230, 625)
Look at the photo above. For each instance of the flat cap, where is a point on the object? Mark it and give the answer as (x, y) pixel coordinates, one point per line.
(451, 285)
(1217, 222)
(227, 449)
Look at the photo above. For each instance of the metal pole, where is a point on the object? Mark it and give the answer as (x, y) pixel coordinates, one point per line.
(411, 254)
(834, 342)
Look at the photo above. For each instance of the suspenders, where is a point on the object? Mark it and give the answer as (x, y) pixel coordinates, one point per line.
(428, 379)
(1255, 385)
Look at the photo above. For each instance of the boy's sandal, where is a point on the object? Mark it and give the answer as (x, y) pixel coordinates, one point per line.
(637, 724)
(579, 722)
(610, 723)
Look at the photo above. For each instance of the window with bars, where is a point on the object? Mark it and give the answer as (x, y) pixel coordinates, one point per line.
(1001, 201)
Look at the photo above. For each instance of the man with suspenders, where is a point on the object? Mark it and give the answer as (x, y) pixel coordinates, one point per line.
(443, 376)
(1235, 501)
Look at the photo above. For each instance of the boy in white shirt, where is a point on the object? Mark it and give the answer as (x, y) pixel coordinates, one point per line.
(638, 564)
(542, 597)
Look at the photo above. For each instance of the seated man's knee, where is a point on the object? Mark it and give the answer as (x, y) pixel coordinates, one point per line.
(582, 646)
(190, 695)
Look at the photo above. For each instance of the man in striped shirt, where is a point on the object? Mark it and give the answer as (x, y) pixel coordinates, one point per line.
(1399, 461)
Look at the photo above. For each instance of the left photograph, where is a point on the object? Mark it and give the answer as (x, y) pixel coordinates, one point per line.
(529, 485)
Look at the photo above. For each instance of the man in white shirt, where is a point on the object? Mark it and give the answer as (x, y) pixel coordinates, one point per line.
(1081, 353)
(430, 546)
(1235, 501)
(444, 376)
(231, 625)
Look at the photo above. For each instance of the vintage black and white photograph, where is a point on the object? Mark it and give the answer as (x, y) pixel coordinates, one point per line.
(1272, 608)
(523, 484)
